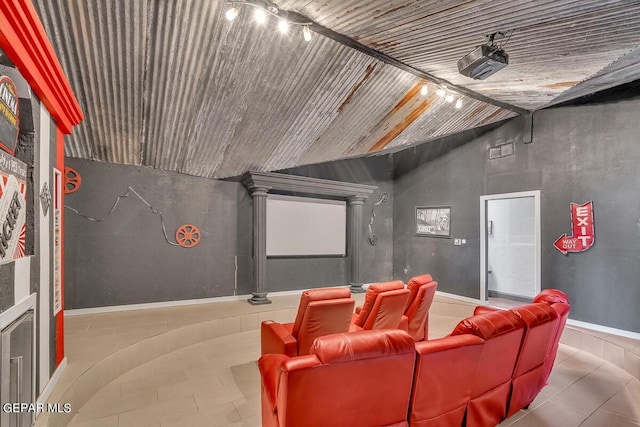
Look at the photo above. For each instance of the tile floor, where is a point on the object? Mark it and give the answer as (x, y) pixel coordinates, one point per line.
(215, 382)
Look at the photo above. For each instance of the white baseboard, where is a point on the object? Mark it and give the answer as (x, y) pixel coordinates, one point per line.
(149, 305)
(164, 304)
(605, 329)
(46, 393)
(460, 298)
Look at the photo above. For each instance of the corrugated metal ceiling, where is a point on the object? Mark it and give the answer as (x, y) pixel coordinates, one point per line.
(173, 85)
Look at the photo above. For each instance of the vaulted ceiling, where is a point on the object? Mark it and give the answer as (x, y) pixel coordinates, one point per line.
(173, 85)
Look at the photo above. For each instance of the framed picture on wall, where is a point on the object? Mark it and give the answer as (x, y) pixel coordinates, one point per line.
(433, 221)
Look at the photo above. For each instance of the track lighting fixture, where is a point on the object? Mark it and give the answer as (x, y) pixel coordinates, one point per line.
(268, 8)
(260, 16)
(306, 32)
(232, 13)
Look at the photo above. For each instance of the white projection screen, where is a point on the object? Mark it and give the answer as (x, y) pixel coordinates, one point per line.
(304, 226)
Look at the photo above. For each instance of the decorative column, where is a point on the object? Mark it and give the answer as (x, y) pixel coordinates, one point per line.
(259, 195)
(356, 204)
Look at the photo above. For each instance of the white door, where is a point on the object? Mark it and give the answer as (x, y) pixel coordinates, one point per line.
(511, 246)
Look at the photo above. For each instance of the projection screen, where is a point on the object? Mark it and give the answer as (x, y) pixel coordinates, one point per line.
(304, 226)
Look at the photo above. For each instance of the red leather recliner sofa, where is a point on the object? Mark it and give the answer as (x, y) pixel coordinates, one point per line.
(352, 379)
(491, 365)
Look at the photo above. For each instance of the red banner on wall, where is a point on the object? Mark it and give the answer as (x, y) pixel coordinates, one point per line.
(583, 232)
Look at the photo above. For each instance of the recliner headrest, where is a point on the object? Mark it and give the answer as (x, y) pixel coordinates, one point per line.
(552, 296)
(317, 295)
(535, 314)
(489, 325)
(370, 298)
(414, 285)
(361, 345)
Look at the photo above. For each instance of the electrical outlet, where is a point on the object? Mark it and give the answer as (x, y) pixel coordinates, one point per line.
(456, 242)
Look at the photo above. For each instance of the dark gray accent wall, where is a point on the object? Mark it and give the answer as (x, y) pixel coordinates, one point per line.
(126, 259)
(376, 261)
(7, 286)
(578, 154)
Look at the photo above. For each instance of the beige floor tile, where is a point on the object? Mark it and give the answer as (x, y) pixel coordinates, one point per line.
(603, 418)
(626, 402)
(588, 394)
(214, 416)
(202, 385)
(580, 362)
(110, 421)
(247, 422)
(157, 413)
(224, 394)
(212, 378)
(249, 406)
(551, 414)
(611, 372)
(102, 407)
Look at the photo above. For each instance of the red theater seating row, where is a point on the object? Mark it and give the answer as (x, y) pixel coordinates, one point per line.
(387, 305)
(492, 365)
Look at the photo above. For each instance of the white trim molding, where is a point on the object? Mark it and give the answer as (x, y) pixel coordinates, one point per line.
(605, 329)
(46, 393)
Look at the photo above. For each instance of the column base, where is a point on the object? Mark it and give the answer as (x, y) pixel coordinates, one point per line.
(259, 298)
(356, 288)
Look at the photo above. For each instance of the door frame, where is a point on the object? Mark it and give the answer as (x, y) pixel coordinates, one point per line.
(483, 237)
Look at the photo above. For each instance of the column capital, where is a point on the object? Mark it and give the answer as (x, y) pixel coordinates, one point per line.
(260, 191)
(356, 200)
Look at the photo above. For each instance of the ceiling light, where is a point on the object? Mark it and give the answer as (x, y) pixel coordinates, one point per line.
(459, 103)
(283, 26)
(232, 13)
(424, 90)
(306, 32)
(260, 16)
(449, 98)
(441, 93)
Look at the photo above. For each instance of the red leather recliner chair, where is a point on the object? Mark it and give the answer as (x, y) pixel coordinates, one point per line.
(360, 379)
(502, 332)
(383, 307)
(541, 323)
(320, 312)
(559, 301)
(416, 315)
(446, 369)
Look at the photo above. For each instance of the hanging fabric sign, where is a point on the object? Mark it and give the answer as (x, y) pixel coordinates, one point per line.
(8, 115)
(583, 232)
(13, 207)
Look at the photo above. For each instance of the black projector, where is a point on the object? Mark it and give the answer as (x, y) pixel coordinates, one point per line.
(482, 62)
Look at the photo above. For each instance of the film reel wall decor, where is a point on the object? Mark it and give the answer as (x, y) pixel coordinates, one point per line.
(188, 235)
(72, 180)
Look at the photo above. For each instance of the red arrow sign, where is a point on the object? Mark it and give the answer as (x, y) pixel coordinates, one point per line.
(583, 234)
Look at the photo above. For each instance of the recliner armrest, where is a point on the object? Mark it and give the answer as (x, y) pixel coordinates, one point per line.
(269, 366)
(276, 338)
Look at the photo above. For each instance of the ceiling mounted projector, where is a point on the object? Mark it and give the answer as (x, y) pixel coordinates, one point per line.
(483, 61)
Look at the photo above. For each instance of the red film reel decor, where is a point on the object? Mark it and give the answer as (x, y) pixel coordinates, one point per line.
(72, 180)
(188, 235)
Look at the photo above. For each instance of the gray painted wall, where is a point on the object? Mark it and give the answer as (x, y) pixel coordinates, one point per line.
(126, 259)
(578, 154)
